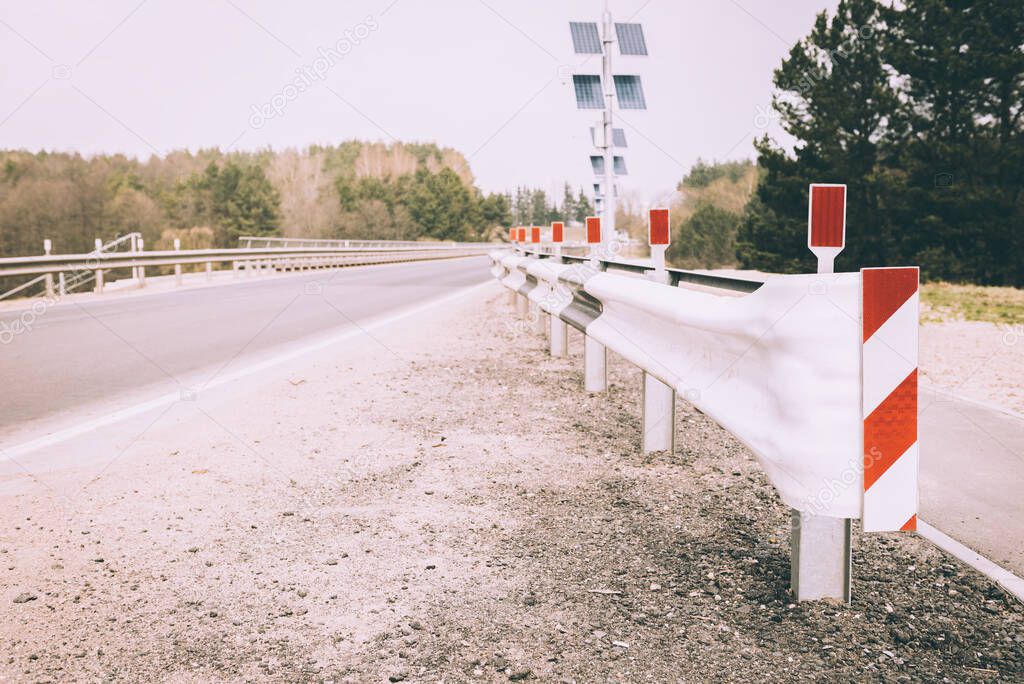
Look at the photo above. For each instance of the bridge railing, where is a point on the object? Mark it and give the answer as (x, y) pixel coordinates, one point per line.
(57, 274)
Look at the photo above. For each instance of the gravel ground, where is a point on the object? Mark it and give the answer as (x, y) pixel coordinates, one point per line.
(448, 505)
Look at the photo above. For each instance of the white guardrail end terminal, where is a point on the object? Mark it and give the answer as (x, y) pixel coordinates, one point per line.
(816, 374)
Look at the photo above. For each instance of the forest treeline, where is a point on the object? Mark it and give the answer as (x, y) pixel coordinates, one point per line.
(919, 109)
(209, 198)
(354, 190)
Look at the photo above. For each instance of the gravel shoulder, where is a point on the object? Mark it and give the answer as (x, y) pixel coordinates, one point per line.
(975, 359)
(445, 503)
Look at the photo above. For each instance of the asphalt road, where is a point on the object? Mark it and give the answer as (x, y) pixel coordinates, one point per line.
(78, 352)
(972, 476)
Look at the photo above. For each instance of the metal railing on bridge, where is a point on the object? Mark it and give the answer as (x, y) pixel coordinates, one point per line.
(56, 275)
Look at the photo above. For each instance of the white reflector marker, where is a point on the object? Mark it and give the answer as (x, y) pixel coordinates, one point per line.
(659, 235)
(890, 324)
(826, 223)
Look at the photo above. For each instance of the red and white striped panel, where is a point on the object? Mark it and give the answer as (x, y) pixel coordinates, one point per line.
(890, 323)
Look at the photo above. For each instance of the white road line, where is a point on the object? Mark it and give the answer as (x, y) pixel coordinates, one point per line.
(10, 453)
(1001, 576)
(996, 408)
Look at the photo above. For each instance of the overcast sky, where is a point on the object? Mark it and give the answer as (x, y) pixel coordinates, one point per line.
(490, 78)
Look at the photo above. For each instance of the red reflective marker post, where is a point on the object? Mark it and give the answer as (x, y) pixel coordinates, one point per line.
(595, 354)
(594, 238)
(657, 410)
(820, 547)
(535, 234)
(557, 236)
(659, 237)
(826, 223)
(559, 332)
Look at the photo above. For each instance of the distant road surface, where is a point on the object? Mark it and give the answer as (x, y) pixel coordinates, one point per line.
(80, 351)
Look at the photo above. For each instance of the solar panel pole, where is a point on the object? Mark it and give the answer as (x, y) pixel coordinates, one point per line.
(608, 81)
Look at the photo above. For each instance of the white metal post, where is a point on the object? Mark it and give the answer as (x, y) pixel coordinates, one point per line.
(540, 325)
(99, 271)
(47, 247)
(658, 261)
(133, 248)
(142, 269)
(820, 547)
(209, 271)
(61, 285)
(559, 336)
(522, 306)
(659, 415)
(177, 267)
(595, 365)
(820, 556)
(608, 81)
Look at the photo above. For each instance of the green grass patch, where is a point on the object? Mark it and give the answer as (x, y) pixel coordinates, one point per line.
(945, 301)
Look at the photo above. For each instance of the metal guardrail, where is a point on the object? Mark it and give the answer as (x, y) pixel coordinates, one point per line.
(815, 373)
(675, 275)
(272, 256)
(250, 242)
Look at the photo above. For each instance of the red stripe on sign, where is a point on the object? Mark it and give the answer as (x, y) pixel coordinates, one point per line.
(593, 229)
(828, 214)
(659, 230)
(910, 525)
(535, 234)
(557, 229)
(885, 291)
(890, 430)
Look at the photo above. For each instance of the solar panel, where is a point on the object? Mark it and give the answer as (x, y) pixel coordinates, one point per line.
(618, 165)
(618, 137)
(585, 39)
(631, 39)
(588, 91)
(629, 92)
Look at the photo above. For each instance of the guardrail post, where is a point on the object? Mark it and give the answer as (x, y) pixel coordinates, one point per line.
(522, 305)
(659, 415)
(99, 271)
(134, 248)
(47, 247)
(559, 336)
(540, 325)
(820, 547)
(595, 365)
(61, 285)
(820, 554)
(209, 271)
(142, 269)
(177, 267)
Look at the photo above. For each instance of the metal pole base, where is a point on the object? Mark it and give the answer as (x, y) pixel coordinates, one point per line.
(820, 556)
(522, 306)
(659, 415)
(559, 337)
(541, 321)
(595, 365)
